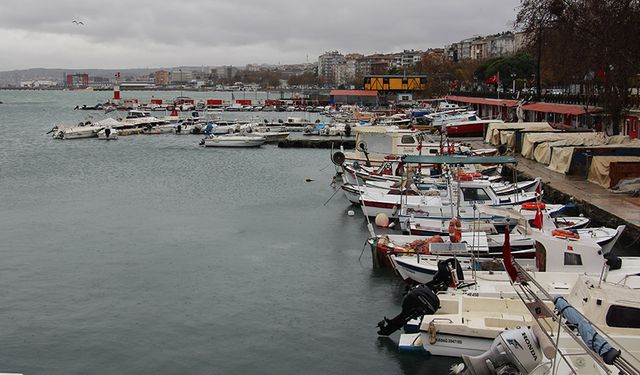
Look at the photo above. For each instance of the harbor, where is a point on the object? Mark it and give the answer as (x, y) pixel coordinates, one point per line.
(150, 215)
(263, 188)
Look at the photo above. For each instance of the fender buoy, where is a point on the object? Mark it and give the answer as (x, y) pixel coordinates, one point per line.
(532, 206)
(565, 234)
(455, 230)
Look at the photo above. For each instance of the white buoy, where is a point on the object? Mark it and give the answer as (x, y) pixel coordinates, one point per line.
(351, 213)
(382, 220)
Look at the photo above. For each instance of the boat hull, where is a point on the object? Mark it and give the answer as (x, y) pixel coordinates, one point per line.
(243, 142)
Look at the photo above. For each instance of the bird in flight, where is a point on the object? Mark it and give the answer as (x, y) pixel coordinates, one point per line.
(78, 22)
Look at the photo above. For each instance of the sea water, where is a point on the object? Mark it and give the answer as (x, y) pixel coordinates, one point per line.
(151, 255)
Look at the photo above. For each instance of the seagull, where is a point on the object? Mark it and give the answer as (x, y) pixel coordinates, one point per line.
(78, 22)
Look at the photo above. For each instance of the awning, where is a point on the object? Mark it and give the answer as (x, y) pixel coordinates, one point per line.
(353, 93)
(564, 109)
(486, 101)
(453, 159)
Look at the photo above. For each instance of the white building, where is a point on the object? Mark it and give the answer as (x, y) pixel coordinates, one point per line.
(327, 64)
(39, 83)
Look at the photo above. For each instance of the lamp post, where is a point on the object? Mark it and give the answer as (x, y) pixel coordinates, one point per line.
(181, 85)
(513, 79)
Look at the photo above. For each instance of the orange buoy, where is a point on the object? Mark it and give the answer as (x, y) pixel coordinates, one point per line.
(563, 233)
(532, 206)
(455, 230)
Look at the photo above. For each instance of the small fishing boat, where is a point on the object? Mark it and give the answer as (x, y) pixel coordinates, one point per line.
(76, 132)
(233, 141)
(553, 252)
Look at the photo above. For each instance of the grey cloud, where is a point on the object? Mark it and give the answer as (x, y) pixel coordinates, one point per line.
(210, 32)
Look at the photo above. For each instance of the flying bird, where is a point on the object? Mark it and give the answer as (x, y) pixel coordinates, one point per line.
(78, 22)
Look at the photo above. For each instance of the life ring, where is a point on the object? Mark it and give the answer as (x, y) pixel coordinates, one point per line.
(455, 230)
(532, 206)
(563, 233)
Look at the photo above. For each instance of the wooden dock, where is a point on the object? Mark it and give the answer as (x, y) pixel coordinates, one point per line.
(318, 142)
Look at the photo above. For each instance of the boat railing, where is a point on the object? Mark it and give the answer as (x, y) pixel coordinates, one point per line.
(553, 324)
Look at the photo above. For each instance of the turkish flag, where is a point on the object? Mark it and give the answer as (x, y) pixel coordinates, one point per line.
(537, 221)
(492, 80)
(506, 256)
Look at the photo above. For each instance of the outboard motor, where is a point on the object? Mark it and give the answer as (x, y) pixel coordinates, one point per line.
(179, 128)
(107, 132)
(515, 351)
(419, 301)
(422, 300)
(445, 276)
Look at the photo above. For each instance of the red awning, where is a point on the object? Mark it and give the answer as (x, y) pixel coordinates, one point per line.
(353, 93)
(564, 109)
(486, 101)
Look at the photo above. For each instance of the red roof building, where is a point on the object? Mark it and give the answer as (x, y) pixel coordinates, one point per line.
(505, 109)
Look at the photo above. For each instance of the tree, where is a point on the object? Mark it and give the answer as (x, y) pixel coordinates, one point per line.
(592, 40)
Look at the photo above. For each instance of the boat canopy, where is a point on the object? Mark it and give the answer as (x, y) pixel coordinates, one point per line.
(453, 159)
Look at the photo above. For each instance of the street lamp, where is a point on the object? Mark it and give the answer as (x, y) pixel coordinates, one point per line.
(181, 85)
(513, 79)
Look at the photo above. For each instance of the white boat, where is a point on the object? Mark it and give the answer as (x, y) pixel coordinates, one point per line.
(159, 129)
(76, 132)
(233, 141)
(467, 325)
(108, 134)
(403, 204)
(373, 143)
(553, 254)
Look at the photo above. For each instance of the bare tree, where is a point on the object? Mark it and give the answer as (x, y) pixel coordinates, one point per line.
(597, 39)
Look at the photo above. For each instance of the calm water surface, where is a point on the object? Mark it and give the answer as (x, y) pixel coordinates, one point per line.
(152, 255)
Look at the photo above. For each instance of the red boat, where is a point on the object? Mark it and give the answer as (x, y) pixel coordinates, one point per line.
(468, 128)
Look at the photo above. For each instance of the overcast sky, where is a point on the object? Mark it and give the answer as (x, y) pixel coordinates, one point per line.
(156, 33)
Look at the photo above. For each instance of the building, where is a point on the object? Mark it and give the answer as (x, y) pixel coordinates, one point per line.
(38, 83)
(396, 83)
(161, 77)
(519, 41)
(354, 97)
(483, 47)
(328, 63)
(499, 45)
(478, 49)
(407, 58)
(80, 80)
(225, 72)
(181, 76)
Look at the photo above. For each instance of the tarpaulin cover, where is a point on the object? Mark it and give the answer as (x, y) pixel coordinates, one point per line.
(561, 156)
(531, 140)
(599, 169)
(495, 129)
(542, 152)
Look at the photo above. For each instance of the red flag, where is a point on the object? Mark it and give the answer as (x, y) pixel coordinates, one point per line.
(506, 256)
(493, 79)
(537, 221)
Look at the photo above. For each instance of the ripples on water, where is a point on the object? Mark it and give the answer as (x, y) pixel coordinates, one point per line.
(152, 255)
